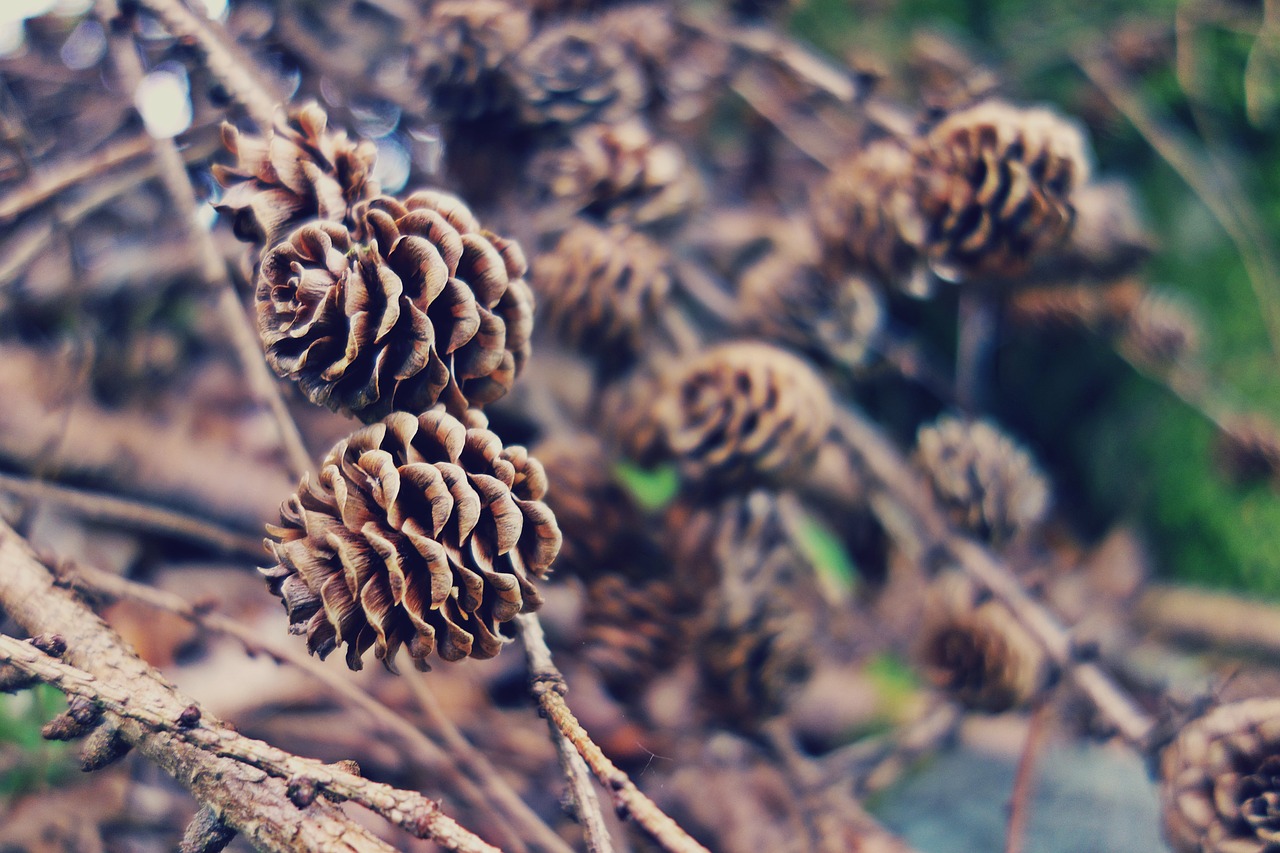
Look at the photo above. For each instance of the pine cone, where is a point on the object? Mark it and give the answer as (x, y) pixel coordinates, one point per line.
(989, 485)
(1220, 781)
(1248, 448)
(300, 171)
(979, 654)
(865, 215)
(420, 305)
(633, 630)
(1160, 333)
(416, 532)
(601, 291)
(619, 173)
(755, 646)
(464, 44)
(630, 419)
(744, 412)
(604, 528)
(785, 299)
(569, 75)
(994, 186)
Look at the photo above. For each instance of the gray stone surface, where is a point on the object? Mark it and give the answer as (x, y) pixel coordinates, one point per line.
(1088, 799)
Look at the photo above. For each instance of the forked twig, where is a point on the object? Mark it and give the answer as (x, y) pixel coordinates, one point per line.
(910, 514)
(411, 811)
(520, 821)
(548, 687)
(1024, 779)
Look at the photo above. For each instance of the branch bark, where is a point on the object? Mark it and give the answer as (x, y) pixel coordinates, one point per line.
(248, 799)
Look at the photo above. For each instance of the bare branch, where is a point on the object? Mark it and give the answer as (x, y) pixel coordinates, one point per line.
(248, 800)
(521, 822)
(96, 506)
(407, 809)
(548, 689)
(908, 512)
(213, 270)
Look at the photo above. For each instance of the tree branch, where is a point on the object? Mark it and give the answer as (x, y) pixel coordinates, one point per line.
(548, 687)
(909, 514)
(173, 174)
(256, 805)
(520, 823)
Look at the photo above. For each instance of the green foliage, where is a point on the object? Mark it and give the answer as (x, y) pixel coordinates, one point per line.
(1120, 446)
(40, 763)
(653, 488)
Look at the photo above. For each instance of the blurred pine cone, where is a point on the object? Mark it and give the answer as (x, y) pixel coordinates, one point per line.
(1247, 447)
(744, 412)
(601, 290)
(755, 645)
(1220, 781)
(994, 185)
(417, 532)
(569, 75)
(634, 630)
(985, 481)
(784, 298)
(978, 653)
(419, 305)
(463, 45)
(299, 171)
(865, 216)
(1160, 333)
(605, 531)
(619, 173)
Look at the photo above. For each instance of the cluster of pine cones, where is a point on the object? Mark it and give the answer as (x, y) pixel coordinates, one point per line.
(696, 317)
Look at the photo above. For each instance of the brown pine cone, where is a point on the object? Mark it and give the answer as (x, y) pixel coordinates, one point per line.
(634, 630)
(1220, 781)
(988, 484)
(979, 654)
(601, 290)
(755, 644)
(464, 44)
(994, 186)
(865, 216)
(1247, 448)
(605, 531)
(744, 412)
(570, 75)
(619, 173)
(417, 532)
(299, 171)
(784, 298)
(1161, 333)
(420, 305)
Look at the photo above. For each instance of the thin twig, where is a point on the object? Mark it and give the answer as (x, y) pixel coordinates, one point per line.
(548, 688)
(256, 805)
(409, 810)
(474, 764)
(213, 270)
(582, 793)
(423, 751)
(111, 509)
(52, 180)
(777, 49)
(910, 515)
(233, 70)
(1024, 779)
